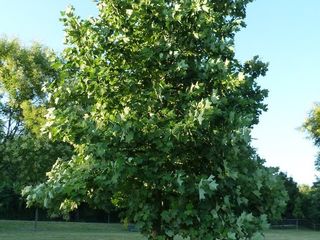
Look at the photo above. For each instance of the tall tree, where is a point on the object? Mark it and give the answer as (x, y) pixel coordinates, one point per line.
(25, 155)
(309, 202)
(159, 112)
(23, 73)
(293, 208)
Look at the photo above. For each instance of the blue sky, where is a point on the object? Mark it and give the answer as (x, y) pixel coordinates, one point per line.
(38, 20)
(285, 33)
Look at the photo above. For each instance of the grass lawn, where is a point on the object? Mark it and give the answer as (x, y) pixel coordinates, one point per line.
(292, 234)
(23, 230)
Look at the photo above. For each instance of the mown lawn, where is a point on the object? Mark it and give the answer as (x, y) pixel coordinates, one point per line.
(292, 234)
(24, 230)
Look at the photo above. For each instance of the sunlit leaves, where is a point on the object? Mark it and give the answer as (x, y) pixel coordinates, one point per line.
(159, 112)
(25, 156)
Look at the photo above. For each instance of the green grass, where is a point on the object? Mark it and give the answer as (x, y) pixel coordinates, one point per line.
(24, 230)
(292, 234)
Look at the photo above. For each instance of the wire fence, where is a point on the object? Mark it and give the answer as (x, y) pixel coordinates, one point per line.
(295, 224)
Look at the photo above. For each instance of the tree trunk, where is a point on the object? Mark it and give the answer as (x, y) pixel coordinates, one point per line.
(36, 217)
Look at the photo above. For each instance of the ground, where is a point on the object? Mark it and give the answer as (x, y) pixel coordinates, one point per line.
(23, 230)
(292, 234)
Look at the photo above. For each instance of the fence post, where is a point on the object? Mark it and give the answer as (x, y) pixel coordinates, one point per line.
(36, 217)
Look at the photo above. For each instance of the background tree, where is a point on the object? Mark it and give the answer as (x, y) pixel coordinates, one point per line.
(159, 113)
(310, 202)
(311, 196)
(25, 155)
(293, 207)
(312, 127)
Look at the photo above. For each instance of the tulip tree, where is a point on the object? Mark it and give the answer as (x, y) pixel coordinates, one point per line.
(159, 112)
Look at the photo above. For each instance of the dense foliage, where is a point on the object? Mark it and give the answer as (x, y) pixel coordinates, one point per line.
(312, 126)
(25, 156)
(294, 207)
(307, 204)
(312, 196)
(159, 113)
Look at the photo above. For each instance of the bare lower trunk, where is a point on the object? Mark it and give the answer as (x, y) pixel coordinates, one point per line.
(36, 217)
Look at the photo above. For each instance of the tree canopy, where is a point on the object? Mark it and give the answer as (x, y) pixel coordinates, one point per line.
(294, 207)
(312, 126)
(312, 196)
(23, 72)
(159, 112)
(25, 155)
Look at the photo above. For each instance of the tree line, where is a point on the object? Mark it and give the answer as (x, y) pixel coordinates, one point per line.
(303, 201)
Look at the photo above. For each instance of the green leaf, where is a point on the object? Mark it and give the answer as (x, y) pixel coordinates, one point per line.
(201, 194)
(179, 179)
(213, 185)
(231, 236)
(200, 118)
(258, 236)
(169, 233)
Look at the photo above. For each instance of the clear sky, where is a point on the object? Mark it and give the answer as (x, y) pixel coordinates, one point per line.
(285, 33)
